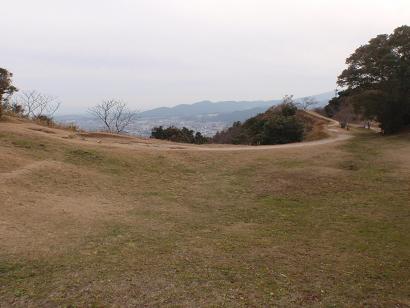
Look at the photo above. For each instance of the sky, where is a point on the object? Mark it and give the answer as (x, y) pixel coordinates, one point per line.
(152, 53)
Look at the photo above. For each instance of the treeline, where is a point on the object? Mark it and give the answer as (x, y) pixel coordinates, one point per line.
(278, 125)
(376, 83)
(176, 134)
(374, 87)
(113, 114)
(27, 104)
(7, 89)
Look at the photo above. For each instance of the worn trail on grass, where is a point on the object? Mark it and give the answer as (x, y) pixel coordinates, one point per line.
(336, 135)
(25, 170)
(135, 143)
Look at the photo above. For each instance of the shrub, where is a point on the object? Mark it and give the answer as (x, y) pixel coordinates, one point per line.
(176, 134)
(282, 129)
(276, 126)
(44, 120)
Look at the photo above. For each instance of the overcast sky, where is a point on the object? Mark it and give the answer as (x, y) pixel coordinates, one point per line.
(153, 53)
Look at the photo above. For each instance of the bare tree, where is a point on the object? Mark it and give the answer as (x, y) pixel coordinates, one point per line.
(307, 103)
(288, 99)
(114, 115)
(36, 104)
(345, 115)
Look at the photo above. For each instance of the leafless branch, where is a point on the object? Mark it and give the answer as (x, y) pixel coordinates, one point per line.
(114, 115)
(307, 103)
(36, 104)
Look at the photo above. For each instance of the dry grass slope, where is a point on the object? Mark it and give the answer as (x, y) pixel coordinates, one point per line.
(110, 224)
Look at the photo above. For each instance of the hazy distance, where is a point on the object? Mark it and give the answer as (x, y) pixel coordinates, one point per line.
(153, 53)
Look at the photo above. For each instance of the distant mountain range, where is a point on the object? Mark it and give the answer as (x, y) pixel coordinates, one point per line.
(205, 107)
(206, 116)
(222, 109)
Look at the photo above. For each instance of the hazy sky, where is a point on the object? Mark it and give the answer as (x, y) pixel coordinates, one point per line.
(165, 52)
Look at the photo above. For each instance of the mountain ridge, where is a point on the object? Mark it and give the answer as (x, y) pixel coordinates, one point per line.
(221, 107)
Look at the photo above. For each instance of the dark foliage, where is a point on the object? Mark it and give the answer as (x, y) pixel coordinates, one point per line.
(176, 134)
(336, 104)
(333, 107)
(377, 81)
(16, 109)
(45, 120)
(320, 110)
(6, 88)
(278, 125)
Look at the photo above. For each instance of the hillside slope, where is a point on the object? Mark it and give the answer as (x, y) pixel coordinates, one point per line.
(98, 219)
(324, 131)
(225, 109)
(282, 124)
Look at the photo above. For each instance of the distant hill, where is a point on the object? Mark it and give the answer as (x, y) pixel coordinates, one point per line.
(206, 117)
(240, 115)
(205, 107)
(322, 98)
(278, 125)
(229, 109)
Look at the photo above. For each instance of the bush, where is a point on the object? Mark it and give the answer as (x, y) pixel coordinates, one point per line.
(282, 129)
(287, 109)
(44, 120)
(176, 134)
(6, 89)
(16, 109)
(278, 125)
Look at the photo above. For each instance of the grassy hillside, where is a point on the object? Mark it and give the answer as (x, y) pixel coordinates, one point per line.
(279, 124)
(88, 224)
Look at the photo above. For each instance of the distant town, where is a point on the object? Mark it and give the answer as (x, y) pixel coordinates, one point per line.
(143, 126)
(205, 117)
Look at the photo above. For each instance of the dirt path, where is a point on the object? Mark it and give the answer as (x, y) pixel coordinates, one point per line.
(135, 143)
(336, 135)
(25, 170)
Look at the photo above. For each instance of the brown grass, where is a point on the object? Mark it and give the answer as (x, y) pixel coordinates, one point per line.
(104, 135)
(85, 224)
(315, 128)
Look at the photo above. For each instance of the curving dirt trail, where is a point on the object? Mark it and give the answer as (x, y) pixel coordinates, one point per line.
(27, 169)
(135, 143)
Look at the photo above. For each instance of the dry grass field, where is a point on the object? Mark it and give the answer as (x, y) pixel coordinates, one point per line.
(97, 221)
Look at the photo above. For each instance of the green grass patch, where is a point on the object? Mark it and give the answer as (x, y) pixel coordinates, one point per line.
(106, 163)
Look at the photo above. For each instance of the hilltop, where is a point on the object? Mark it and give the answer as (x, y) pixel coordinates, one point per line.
(206, 116)
(322, 130)
(95, 219)
(281, 124)
(224, 108)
